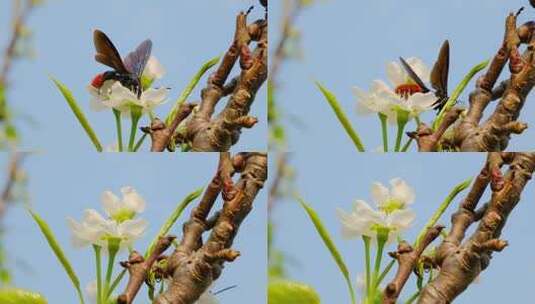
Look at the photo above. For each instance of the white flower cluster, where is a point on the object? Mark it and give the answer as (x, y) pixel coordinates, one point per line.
(120, 225)
(405, 96)
(393, 214)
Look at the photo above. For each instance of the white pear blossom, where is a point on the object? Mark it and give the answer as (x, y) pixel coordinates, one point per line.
(392, 215)
(124, 100)
(123, 209)
(405, 95)
(121, 226)
(154, 69)
(398, 196)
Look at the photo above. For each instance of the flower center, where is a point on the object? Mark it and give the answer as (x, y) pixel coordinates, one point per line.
(123, 215)
(408, 89)
(391, 205)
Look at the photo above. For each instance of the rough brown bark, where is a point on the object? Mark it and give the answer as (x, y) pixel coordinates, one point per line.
(407, 258)
(194, 265)
(161, 134)
(492, 135)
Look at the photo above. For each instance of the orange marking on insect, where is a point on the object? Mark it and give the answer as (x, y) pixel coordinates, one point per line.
(98, 81)
(407, 90)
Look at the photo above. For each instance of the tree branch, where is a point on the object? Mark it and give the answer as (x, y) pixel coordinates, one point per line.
(461, 260)
(195, 265)
(493, 135)
(209, 133)
(407, 258)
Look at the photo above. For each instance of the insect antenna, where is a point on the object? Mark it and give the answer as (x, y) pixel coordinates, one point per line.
(225, 289)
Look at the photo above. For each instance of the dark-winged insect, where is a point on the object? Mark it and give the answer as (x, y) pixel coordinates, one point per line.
(127, 72)
(439, 76)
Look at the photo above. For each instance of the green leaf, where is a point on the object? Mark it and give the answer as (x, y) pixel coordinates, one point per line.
(187, 91)
(324, 234)
(173, 218)
(79, 114)
(20, 296)
(458, 90)
(288, 292)
(58, 251)
(442, 208)
(333, 102)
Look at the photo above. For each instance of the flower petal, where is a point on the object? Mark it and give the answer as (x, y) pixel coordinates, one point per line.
(419, 67)
(421, 102)
(132, 229)
(380, 193)
(110, 202)
(401, 219)
(401, 191)
(132, 200)
(395, 74)
(153, 69)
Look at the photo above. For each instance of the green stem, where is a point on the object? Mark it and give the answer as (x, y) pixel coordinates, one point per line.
(382, 237)
(112, 252)
(366, 240)
(407, 145)
(442, 208)
(115, 283)
(98, 263)
(401, 128)
(402, 118)
(135, 115)
(384, 129)
(386, 270)
(140, 142)
(119, 129)
(413, 297)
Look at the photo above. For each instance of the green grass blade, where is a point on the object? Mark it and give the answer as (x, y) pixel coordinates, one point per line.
(79, 114)
(324, 234)
(58, 251)
(333, 102)
(442, 208)
(458, 90)
(173, 218)
(289, 292)
(20, 296)
(187, 91)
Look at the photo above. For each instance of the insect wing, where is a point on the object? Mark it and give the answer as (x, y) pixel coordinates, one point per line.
(413, 75)
(440, 72)
(264, 3)
(107, 53)
(136, 61)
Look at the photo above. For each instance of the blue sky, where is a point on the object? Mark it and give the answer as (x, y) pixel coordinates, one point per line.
(60, 185)
(185, 35)
(329, 181)
(349, 43)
